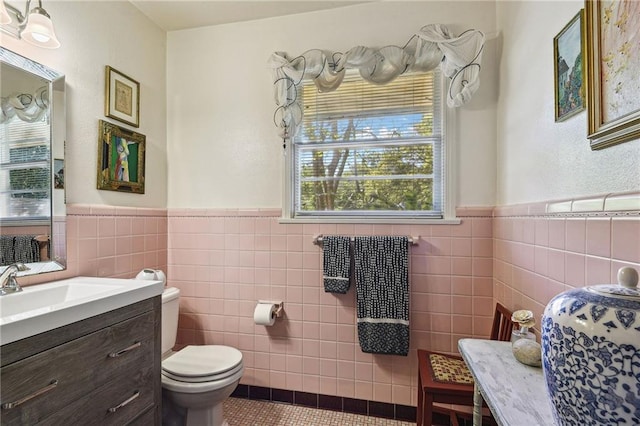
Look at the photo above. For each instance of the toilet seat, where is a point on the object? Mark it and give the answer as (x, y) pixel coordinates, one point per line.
(200, 364)
(200, 387)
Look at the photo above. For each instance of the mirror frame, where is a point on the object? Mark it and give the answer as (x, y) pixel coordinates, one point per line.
(57, 128)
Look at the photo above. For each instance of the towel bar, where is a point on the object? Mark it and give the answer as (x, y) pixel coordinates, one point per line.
(317, 240)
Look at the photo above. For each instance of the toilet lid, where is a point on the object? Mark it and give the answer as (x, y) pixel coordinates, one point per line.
(199, 361)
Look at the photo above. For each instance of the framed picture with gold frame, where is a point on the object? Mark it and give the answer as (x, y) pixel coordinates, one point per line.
(568, 53)
(122, 97)
(613, 67)
(121, 156)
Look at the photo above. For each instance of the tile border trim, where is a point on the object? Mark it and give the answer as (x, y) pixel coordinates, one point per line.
(621, 204)
(222, 212)
(104, 210)
(617, 204)
(385, 410)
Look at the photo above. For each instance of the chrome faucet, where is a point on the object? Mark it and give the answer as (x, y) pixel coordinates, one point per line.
(8, 282)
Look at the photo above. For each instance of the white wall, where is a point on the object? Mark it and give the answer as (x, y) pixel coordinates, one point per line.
(223, 149)
(222, 144)
(94, 34)
(539, 159)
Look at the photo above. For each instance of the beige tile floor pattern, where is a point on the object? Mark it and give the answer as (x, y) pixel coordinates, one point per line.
(247, 412)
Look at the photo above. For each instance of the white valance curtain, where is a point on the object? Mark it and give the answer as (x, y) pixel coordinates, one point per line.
(459, 59)
(28, 107)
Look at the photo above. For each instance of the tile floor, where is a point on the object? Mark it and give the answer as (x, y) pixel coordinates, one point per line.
(247, 412)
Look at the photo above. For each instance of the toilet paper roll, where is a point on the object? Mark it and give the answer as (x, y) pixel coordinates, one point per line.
(265, 314)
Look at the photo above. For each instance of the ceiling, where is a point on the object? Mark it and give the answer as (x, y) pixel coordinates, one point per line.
(183, 14)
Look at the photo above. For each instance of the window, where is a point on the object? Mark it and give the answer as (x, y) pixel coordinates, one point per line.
(25, 173)
(370, 151)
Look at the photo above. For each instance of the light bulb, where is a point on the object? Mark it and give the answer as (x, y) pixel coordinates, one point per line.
(42, 38)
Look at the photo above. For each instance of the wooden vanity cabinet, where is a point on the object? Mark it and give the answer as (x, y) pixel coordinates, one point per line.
(104, 370)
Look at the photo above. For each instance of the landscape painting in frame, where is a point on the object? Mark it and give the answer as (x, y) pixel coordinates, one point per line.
(568, 50)
(121, 154)
(613, 41)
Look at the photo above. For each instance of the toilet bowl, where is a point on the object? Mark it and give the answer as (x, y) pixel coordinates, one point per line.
(196, 378)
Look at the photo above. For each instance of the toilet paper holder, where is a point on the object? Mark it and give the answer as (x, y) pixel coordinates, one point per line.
(279, 307)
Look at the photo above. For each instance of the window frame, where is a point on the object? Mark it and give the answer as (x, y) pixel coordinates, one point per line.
(448, 152)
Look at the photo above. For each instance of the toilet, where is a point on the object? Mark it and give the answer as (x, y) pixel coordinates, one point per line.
(197, 378)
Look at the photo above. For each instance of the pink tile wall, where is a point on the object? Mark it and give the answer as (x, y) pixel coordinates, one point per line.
(537, 257)
(105, 241)
(225, 260)
(24, 230)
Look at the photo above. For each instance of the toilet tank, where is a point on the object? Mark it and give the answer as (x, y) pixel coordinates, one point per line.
(170, 304)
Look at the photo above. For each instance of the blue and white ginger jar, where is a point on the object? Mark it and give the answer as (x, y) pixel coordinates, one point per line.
(591, 353)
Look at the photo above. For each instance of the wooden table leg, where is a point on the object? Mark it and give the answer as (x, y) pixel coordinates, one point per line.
(420, 409)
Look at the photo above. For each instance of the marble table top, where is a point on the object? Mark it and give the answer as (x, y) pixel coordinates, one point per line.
(515, 393)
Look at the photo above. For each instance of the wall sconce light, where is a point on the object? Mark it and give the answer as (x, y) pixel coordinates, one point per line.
(34, 27)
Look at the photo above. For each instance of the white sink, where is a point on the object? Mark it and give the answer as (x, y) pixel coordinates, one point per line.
(43, 307)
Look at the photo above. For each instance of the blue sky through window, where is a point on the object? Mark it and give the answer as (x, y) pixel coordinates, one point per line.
(385, 127)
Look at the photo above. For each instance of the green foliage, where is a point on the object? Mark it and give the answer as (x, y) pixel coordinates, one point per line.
(34, 180)
(576, 81)
(371, 177)
(425, 126)
(571, 91)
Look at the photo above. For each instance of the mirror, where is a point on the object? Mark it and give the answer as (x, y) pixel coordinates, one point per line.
(32, 135)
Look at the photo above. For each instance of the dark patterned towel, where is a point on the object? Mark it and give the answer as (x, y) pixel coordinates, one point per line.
(336, 264)
(382, 294)
(26, 249)
(6, 250)
(19, 248)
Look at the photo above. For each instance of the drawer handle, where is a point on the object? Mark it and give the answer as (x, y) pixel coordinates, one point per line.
(10, 405)
(125, 350)
(125, 402)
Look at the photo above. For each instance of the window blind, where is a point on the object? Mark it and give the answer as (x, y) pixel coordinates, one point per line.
(25, 173)
(370, 150)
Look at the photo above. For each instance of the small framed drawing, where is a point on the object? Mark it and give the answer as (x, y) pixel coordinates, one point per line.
(613, 67)
(121, 155)
(122, 97)
(568, 53)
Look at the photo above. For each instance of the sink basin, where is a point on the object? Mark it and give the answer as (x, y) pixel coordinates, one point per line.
(33, 300)
(43, 307)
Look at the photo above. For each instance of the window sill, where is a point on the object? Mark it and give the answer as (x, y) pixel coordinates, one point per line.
(16, 222)
(381, 221)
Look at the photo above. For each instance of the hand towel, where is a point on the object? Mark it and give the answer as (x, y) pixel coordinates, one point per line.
(336, 263)
(26, 249)
(6, 250)
(382, 294)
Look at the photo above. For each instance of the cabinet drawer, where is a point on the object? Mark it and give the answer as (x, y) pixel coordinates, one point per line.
(115, 403)
(74, 369)
(148, 418)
